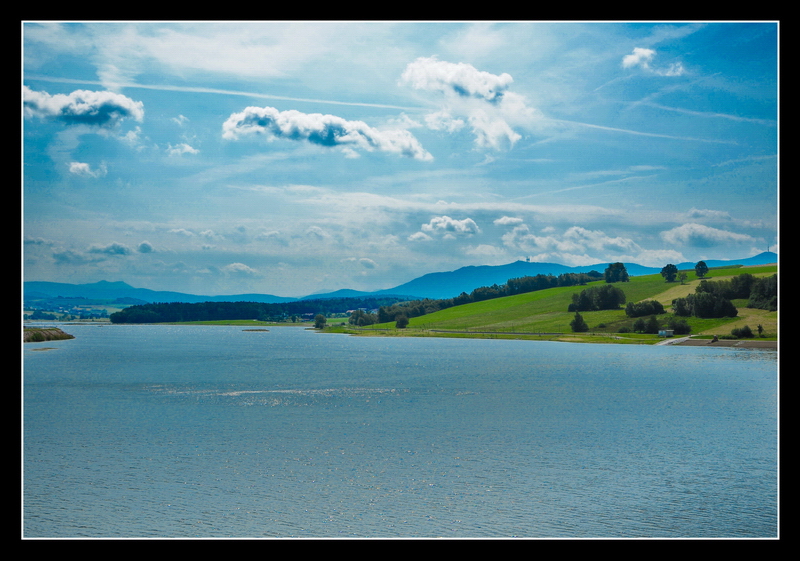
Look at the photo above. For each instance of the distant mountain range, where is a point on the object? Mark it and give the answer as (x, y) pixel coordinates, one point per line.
(433, 285)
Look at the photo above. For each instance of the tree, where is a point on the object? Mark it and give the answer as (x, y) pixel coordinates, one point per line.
(669, 272)
(401, 322)
(651, 325)
(597, 298)
(701, 269)
(578, 324)
(643, 308)
(616, 272)
(319, 321)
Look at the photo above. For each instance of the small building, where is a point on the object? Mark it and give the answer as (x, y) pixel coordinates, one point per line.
(666, 332)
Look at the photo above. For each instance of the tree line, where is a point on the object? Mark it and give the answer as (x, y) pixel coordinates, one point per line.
(169, 312)
(713, 299)
(518, 285)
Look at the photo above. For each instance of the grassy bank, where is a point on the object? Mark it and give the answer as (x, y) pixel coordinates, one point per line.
(543, 315)
(39, 334)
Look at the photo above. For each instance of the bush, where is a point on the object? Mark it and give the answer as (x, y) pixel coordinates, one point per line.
(401, 322)
(643, 308)
(742, 332)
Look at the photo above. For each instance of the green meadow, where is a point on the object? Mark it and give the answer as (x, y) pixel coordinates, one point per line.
(543, 314)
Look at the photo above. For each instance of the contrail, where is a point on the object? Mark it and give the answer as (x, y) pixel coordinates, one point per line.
(223, 92)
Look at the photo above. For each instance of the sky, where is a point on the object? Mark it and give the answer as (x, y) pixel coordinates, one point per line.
(297, 157)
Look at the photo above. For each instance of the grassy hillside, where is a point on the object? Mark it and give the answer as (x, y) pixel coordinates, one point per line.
(545, 311)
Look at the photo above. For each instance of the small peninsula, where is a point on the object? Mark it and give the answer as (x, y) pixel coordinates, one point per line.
(39, 334)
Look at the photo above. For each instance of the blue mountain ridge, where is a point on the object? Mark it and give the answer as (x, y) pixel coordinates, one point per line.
(432, 285)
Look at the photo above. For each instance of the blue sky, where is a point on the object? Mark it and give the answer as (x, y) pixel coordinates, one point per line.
(289, 158)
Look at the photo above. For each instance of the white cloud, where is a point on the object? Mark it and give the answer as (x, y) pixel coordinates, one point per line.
(698, 235)
(239, 270)
(573, 247)
(181, 149)
(455, 79)
(322, 130)
(486, 251)
(447, 225)
(640, 57)
(443, 121)
(707, 213)
(317, 232)
(472, 96)
(101, 109)
(85, 170)
(656, 257)
(419, 237)
(643, 57)
(507, 220)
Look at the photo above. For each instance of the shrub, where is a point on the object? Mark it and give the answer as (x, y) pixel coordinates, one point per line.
(742, 332)
(643, 308)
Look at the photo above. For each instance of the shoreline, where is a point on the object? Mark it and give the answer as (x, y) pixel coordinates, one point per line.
(601, 338)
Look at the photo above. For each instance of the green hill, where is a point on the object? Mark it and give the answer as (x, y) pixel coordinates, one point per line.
(543, 314)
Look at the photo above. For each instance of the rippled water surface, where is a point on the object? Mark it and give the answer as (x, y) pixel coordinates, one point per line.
(184, 431)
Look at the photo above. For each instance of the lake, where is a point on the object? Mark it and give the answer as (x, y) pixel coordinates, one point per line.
(214, 431)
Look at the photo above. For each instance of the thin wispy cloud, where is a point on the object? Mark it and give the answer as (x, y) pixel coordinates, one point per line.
(222, 91)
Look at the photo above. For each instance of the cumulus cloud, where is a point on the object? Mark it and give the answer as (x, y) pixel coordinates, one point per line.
(419, 237)
(82, 107)
(642, 58)
(181, 149)
(573, 246)
(145, 247)
(451, 227)
(507, 220)
(322, 130)
(111, 249)
(85, 170)
(430, 73)
(698, 235)
(471, 96)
